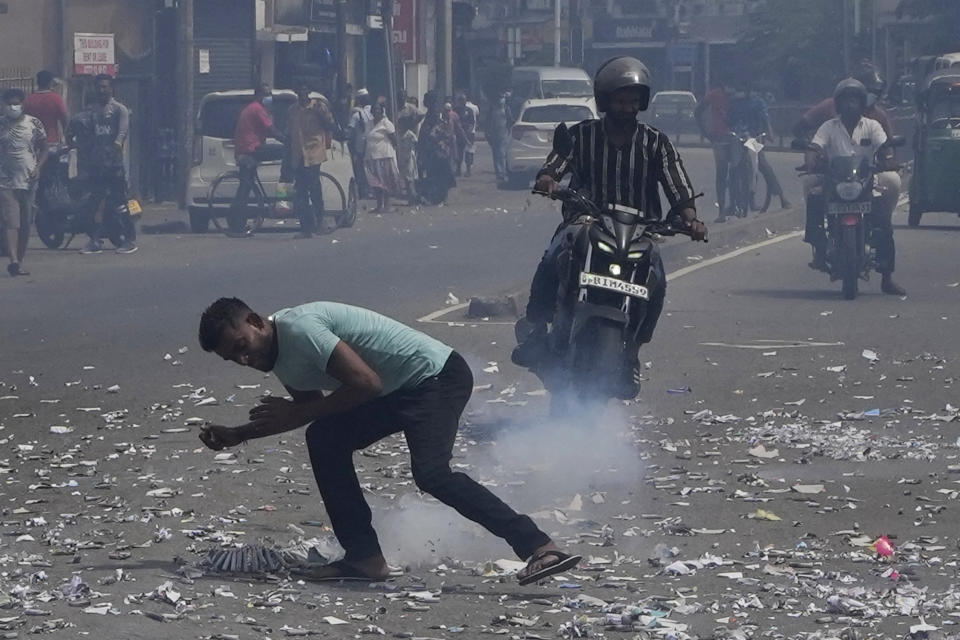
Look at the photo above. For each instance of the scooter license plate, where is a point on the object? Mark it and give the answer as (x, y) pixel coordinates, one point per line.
(613, 284)
(846, 208)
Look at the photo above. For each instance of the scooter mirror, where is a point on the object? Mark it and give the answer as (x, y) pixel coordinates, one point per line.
(562, 140)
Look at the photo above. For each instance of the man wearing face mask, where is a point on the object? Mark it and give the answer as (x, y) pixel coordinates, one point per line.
(613, 160)
(23, 150)
(851, 133)
(253, 128)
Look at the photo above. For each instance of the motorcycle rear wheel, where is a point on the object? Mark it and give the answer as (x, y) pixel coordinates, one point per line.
(597, 361)
(851, 262)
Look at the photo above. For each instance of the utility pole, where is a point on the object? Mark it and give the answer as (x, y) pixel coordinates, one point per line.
(342, 51)
(386, 14)
(845, 24)
(185, 64)
(447, 40)
(556, 33)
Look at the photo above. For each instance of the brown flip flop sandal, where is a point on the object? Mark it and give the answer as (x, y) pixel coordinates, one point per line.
(564, 561)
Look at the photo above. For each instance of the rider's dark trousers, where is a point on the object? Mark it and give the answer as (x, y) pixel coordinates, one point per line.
(308, 197)
(247, 167)
(881, 220)
(428, 416)
(108, 185)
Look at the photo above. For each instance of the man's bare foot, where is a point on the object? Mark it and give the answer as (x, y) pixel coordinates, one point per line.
(547, 560)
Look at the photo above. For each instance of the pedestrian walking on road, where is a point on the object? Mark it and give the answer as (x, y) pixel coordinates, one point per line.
(356, 132)
(311, 131)
(386, 378)
(468, 114)
(408, 124)
(23, 150)
(380, 161)
(497, 132)
(99, 133)
(435, 152)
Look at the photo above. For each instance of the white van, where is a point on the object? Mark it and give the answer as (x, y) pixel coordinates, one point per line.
(549, 82)
(213, 155)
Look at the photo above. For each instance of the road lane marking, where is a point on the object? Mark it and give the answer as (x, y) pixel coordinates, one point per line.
(774, 344)
(679, 273)
(434, 317)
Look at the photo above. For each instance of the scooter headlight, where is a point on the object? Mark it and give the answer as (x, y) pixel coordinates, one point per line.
(635, 255)
(849, 190)
(615, 270)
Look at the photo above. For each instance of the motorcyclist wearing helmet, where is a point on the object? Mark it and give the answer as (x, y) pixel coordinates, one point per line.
(849, 134)
(613, 160)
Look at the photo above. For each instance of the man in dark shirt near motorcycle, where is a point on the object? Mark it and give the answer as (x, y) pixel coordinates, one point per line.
(99, 133)
(612, 160)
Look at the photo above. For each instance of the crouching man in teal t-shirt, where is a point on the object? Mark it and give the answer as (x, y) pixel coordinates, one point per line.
(385, 378)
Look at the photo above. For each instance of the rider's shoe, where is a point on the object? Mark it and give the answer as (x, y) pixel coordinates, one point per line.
(128, 246)
(888, 286)
(784, 203)
(628, 386)
(819, 262)
(92, 247)
(531, 349)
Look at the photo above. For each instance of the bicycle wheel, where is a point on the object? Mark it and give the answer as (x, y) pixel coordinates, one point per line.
(220, 197)
(760, 195)
(347, 207)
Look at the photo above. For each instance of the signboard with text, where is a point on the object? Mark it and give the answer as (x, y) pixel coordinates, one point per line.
(94, 53)
(405, 29)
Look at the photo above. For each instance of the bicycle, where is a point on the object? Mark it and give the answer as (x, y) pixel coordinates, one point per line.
(223, 189)
(748, 189)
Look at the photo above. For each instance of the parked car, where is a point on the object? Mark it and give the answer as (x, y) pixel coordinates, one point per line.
(672, 111)
(213, 155)
(531, 136)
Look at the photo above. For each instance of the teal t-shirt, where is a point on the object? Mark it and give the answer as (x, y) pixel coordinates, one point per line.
(307, 335)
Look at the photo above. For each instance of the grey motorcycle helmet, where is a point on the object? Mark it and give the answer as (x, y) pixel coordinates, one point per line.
(618, 73)
(851, 86)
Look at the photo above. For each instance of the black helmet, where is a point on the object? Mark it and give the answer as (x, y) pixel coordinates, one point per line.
(851, 86)
(618, 73)
(871, 79)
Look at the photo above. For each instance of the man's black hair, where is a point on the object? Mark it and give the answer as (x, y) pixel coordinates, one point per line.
(224, 313)
(44, 79)
(100, 77)
(10, 94)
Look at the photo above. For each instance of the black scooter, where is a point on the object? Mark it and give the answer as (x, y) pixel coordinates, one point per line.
(59, 201)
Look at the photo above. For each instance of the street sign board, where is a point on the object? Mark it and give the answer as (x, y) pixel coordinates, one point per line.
(94, 53)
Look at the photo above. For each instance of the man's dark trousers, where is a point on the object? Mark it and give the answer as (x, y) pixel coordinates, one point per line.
(428, 415)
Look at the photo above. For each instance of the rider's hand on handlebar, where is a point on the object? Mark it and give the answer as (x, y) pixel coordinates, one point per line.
(545, 184)
(698, 230)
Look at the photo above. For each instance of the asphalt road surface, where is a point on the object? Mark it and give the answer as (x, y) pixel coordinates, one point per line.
(671, 500)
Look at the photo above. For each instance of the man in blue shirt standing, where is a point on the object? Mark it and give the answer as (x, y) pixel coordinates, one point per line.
(383, 378)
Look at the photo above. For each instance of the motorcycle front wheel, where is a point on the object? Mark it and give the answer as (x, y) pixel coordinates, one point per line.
(50, 230)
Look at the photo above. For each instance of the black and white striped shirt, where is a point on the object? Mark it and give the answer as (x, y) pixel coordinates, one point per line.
(629, 175)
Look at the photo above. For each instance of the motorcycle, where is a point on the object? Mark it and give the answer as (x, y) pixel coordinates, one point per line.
(608, 274)
(848, 198)
(61, 200)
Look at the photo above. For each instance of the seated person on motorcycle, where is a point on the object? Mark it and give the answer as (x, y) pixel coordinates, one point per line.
(853, 134)
(614, 160)
(254, 126)
(748, 113)
(99, 134)
(825, 110)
